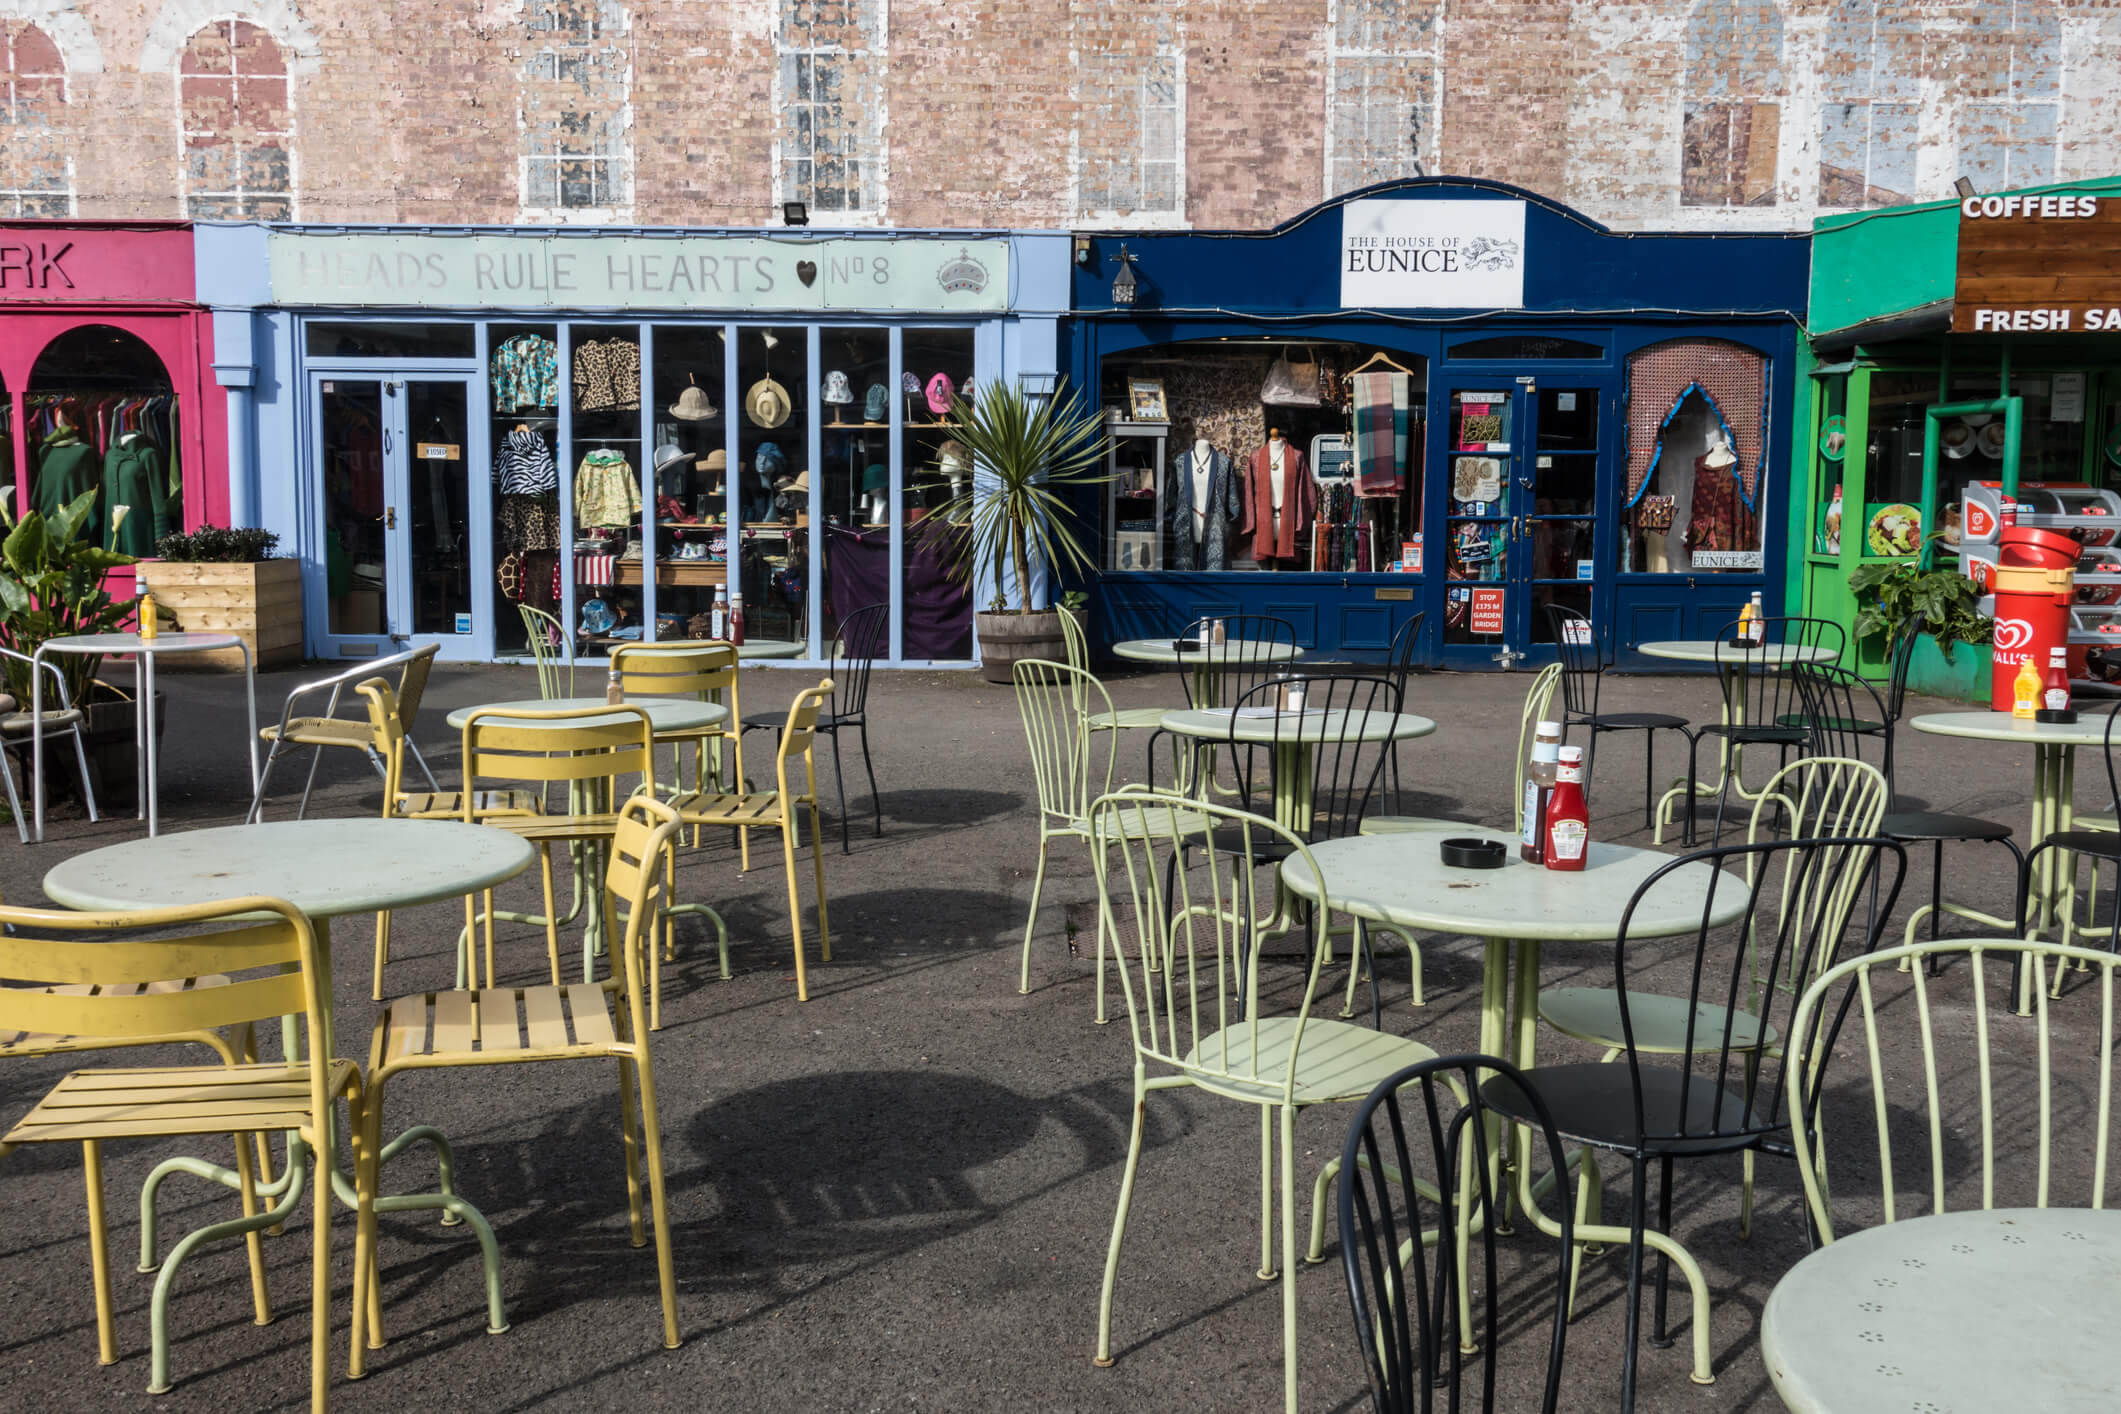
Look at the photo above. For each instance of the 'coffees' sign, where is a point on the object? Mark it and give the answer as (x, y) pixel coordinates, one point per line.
(2039, 263)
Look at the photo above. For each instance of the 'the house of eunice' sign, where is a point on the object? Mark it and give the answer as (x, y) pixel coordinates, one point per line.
(1432, 255)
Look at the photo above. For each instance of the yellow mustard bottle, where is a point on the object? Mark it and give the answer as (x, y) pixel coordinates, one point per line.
(2025, 689)
(147, 616)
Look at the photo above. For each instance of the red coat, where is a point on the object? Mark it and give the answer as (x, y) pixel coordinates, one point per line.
(1299, 503)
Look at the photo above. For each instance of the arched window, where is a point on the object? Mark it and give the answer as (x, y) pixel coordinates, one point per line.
(1733, 95)
(237, 117)
(1869, 114)
(36, 175)
(577, 112)
(2011, 82)
(829, 104)
(1384, 62)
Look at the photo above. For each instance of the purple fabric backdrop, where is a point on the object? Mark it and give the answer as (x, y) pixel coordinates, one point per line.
(938, 608)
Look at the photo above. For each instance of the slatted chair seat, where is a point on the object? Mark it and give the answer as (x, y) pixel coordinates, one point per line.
(321, 731)
(1126, 719)
(728, 807)
(168, 1100)
(1338, 1061)
(449, 804)
(596, 826)
(500, 1024)
(41, 1043)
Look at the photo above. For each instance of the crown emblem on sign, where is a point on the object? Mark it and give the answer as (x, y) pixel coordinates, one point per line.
(963, 275)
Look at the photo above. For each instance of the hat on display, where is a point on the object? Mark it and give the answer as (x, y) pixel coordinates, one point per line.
(837, 389)
(669, 455)
(597, 617)
(941, 392)
(766, 404)
(965, 390)
(910, 384)
(876, 478)
(768, 460)
(800, 486)
(953, 459)
(876, 403)
(692, 404)
(716, 460)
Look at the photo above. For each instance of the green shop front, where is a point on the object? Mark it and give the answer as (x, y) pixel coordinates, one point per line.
(1966, 358)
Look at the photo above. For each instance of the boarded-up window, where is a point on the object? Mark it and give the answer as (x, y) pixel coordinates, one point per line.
(2009, 72)
(576, 94)
(1733, 118)
(238, 123)
(829, 105)
(36, 175)
(1383, 64)
(1869, 116)
(1130, 116)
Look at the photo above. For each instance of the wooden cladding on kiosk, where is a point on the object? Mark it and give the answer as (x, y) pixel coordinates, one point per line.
(2044, 263)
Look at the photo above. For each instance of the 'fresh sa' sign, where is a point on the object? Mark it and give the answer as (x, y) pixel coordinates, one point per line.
(2038, 263)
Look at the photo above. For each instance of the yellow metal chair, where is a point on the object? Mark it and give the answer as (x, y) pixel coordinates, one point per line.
(119, 994)
(775, 809)
(329, 729)
(704, 672)
(580, 1021)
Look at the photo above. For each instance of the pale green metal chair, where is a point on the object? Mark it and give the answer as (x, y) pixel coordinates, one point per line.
(549, 640)
(1109, 720)
(1183, 939)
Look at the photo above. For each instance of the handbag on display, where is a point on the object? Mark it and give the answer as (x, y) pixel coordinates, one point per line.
(1656, 512)
(1290, 384)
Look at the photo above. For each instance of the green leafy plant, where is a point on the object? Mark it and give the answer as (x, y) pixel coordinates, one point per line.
(1029, 453)
(1075, 601)
(51, 586)
(218, 545)
(1889, 595)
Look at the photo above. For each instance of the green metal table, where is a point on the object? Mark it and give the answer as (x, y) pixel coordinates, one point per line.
(1731, 665)
(373, 865)
(1292, 742)
(1207, 664)
(1987, 1309)
(1401, 881)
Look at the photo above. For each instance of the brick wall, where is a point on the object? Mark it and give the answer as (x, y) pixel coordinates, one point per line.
(1716, 113)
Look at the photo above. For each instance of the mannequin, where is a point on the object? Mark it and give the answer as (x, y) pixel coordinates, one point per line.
(1713, 520)
(1201, 500)
(1282, 504)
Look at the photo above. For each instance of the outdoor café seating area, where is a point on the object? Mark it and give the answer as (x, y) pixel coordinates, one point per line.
(1207, 1026)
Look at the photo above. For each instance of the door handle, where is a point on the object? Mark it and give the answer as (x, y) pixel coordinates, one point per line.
(390, 517)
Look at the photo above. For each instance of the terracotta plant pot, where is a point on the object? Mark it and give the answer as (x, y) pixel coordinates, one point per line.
(1006, 638)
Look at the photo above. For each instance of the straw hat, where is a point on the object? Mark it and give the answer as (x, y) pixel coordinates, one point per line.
(766, 403)
(799, 485)
(692, 404)
(716, 460)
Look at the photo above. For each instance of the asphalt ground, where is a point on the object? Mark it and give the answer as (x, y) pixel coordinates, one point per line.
(898, 1196)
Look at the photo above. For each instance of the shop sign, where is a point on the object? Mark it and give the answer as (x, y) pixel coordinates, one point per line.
(490, 270)
(2047, 263)
(1726, 560)
(46, 262)
(1432, 255)
(1488, 605)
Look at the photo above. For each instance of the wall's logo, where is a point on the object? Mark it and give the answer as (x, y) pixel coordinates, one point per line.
(963, 275)
(2012, 634)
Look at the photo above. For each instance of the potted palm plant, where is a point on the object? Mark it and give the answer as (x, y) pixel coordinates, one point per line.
(1028, 454)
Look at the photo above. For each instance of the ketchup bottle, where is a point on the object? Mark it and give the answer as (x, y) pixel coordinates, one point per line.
(1568, 816)
(2054, 693)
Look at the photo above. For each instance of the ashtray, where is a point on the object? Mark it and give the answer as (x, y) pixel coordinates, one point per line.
(2054, 717)
(1474, 853)
(1185, 645)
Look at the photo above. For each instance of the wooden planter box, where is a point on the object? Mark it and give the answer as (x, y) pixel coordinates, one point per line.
(259, 603)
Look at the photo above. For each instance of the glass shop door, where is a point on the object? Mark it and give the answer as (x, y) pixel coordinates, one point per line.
(396, 459)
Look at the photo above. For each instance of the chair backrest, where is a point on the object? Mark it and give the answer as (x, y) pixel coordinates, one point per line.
(1181, 919)
(412, 682)
(864, 636)
(1257, 646)
(121, 990)
(548, 640)
(388, 727)
(1815, 798)
(1842, 712)
(1770, 692)
(1406, 653)
(634, 877)
(2113, 775)
(584, 744)
(1078, 642)
(1538, 707)
(1413, 1161)
(1728, 1087)
(688, 670)
(798, 736)
(1582, 665)
(1954, 1134)
(1903, 654)
(1345, 730)
(1070, 764)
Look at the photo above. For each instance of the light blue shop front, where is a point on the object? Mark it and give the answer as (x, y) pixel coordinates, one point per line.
(621, 431)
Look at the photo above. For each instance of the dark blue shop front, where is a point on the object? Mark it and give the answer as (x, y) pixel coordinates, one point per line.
(1440, 397)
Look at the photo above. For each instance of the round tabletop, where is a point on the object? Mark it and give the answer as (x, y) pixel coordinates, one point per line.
(375, 864)
(134, 643)
(1312, 727)
(771, 648)
(665, 714)
(2088, 730)
(1402, 879)
(1715, 650)
(2009, 1308)
(1234, 653)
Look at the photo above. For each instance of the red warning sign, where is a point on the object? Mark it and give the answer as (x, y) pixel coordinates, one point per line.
(1487, 608)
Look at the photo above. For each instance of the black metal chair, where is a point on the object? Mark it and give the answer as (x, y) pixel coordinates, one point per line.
(2098, 846)
(1256, 648)
(864, 635)
(1727, 1091)
(1767, 709)
(1400, 663)
(1843, 711)
(1582, 675)
(1414, 1307)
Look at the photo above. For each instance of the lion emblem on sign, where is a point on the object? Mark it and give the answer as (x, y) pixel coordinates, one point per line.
(1490, 253)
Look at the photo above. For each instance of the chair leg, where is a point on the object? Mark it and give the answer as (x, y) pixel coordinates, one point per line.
(1659, 1337)
(1288, 1256)
(253, 1240)
(316, 759)
(1103, 1357)
(488, 898)
(1649, 775)
(320, 1273)
(552, 912)
(839, 778)
(1038, 883)
(658, 1198)
(414, 748)
(99, 1253)
(88, 792)
(1639, 1202)
(1266, 1193)
(257, 796)
(795, 907)
(382, 953)
(817, 869)
(630, 1146)
(876, 798)
(14, 801)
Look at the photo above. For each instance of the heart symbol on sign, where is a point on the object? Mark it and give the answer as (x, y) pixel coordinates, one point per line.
(806, 271)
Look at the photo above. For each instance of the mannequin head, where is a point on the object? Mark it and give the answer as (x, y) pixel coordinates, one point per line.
(1201, 449)
(1274, 436)
(1720, 454)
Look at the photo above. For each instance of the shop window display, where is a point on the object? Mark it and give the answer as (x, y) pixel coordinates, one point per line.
(691, 470)
(1266, 456)
(775, 488)
(1696, 449)
(935, 467)
(604, 383)
(2050, 446)
(856, 402)
(525, 383)
(100, 414)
